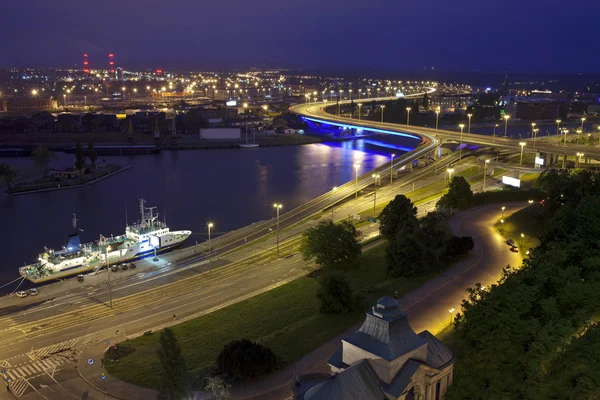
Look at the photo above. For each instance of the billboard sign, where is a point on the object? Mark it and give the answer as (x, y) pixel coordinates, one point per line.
(231, 103)
(507, 180)
(539, 161)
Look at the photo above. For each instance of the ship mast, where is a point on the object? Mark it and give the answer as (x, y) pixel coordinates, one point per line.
(75, 222)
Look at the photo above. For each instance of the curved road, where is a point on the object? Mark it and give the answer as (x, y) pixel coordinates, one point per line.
(427, 306)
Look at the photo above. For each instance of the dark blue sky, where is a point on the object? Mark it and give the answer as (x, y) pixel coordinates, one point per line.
(513, 35)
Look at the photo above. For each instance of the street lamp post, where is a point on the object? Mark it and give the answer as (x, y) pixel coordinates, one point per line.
(382, 107)
(579, 155)
(356, 167)
(332, 201)
(582, 121)
(246, 119)
(450, 171)
(485, 172)
(210, 225)
(437, 118)
(461, 126)
(503, 208)
(494, 134)
(578, 135)
(522, 144)
(106, 250)
(375, 177)
(451, 312)
(392, 169)
(359, 106)
(535, 131)
(506, 117)
(277, 207)
(407, 115)
(469, 128)
(558, 121)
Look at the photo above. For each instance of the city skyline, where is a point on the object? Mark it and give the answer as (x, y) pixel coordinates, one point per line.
(510, 36)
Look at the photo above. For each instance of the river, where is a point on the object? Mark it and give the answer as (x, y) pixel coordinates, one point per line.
(231, 187)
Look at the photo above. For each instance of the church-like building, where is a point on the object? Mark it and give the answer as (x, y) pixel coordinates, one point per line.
(384, 359)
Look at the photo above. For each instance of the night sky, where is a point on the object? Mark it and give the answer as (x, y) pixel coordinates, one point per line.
(514, 35)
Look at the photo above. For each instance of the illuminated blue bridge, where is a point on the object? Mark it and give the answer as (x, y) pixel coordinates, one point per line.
(348, 129)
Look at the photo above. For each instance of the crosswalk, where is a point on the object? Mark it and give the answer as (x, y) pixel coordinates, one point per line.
(19, 387)
(36, 354)
(35, 368)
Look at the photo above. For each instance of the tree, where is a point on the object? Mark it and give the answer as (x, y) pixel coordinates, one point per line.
(218, 388)
(458, 246)
(42, 158)
(92, 154)
(335, 295)
(435, 226)
(407, 255)
(79, 157)
(7, 174)
(244, 359)
(399, 214)
(331, 245)
(459, 196)
(173, 384)
(425, 101)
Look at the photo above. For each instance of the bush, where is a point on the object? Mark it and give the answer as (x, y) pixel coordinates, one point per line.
(335, 295)
(244, 359)
(408, 255)
(459, 195)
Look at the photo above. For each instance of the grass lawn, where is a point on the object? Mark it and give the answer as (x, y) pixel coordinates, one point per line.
(286, 319)
(528, 221)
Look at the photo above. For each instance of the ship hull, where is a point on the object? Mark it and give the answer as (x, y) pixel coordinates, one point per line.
(76, 270)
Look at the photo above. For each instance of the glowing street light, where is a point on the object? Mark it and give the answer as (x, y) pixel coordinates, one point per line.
(558, 121)
(277, 207)
(485, 172)
(437, 118)
(451, 311)
(382, 107)
(407, 115)
(522, 144)
(356, 167)
(462, 127)
(209, 226)
(579, 155)
(506, 117)
(582, 121)
(34, 92)
(450, 171)
(503, 208)
(359, 106)
(469, 128)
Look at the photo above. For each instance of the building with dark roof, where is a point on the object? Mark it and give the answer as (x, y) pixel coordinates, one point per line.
(384, 359)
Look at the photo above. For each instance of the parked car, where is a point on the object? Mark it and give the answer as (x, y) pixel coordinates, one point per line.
(123, 267)
(114, 268)
(33, 291)
(514, 249)
(510, 242)
(132, 265)
(21, 294)
(80, 278)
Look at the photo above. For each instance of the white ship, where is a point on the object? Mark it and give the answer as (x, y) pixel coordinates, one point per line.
(147, 237)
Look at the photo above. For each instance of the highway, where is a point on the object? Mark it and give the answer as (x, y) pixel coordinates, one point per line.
(317, 110)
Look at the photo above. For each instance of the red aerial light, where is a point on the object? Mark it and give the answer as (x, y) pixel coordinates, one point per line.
(159, 71)
(111, 62)
(111, 55)
(85, 63)
(85, 55)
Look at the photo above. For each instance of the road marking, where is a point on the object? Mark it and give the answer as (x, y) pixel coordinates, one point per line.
(22, 372)
(13, 374)
(5, 364)
(19, 387)
(37, 367)
(30, 369)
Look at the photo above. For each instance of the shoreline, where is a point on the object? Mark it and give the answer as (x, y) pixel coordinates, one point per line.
(100, 178)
